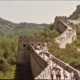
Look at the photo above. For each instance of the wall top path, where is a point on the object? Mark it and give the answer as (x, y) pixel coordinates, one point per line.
(66, 34)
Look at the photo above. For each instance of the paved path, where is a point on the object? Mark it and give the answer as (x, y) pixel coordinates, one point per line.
(68, 74)
(75, 21)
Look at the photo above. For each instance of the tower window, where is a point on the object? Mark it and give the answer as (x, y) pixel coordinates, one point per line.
(32, 44)
(39, 44)
(24, 45)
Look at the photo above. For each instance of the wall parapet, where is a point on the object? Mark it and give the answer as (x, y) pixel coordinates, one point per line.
(60, 18)
(61, 34)
(68, 36)
(44, 74)
(35, 59)
(66, 33)
(62, 64)
(31, 38)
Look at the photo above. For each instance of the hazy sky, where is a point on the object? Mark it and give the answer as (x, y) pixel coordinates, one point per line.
(36, 11)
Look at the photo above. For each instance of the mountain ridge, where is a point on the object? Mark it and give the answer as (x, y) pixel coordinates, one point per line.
(19, 25)
(75, 14)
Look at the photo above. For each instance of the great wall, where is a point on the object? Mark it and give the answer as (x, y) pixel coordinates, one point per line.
(68, 32)
(30, 65)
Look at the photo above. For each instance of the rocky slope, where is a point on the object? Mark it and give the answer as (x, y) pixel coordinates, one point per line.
(76, 13)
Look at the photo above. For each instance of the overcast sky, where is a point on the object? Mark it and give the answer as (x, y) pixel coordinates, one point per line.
(36, 11)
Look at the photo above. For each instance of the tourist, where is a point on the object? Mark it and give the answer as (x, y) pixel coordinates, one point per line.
(54, 58)
(75, 76)
(59, 74)
(53, 65)
(73, 71)
(41, 50)
(50, 56)
(64, 73)
(37, 47)
(66, 65)
(45, 45)
(52, 74)
(72, 75)
(40, 46)
(56, 67)
(43, 55)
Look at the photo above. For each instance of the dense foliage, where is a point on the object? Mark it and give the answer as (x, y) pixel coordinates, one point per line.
(16, 32)
(8, 53)
(50, 33)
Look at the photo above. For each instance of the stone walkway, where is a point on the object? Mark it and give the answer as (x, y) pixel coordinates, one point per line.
(62, 78)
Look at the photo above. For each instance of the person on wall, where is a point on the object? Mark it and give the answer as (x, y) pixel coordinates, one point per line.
(56, 72)
(75, 76)
(72, 75)
(59, 74)
(66, 66)
(64, 74)
(52, 74)
(54, 58)
(53, 65)
(40, 46)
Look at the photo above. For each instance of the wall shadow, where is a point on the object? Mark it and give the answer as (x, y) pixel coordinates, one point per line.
(23, 71)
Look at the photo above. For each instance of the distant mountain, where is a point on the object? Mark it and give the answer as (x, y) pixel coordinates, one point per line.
(19, 25)
(76, 13)
(14, 30)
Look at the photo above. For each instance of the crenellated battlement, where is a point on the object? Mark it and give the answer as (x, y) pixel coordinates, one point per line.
(31, 38)
(60, 18)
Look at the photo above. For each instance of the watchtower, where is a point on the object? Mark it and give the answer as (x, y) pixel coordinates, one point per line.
(23, 49)
(58, 25)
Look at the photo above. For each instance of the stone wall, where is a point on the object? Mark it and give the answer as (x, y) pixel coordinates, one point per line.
(63, 27)
(68, 39)
(61, 34)
(27, 54)
(59, 25)
(38, 64)
(23, 57)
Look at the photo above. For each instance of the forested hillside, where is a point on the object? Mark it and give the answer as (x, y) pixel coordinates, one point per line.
(14, 30)
(15, 33)
(8, 55)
